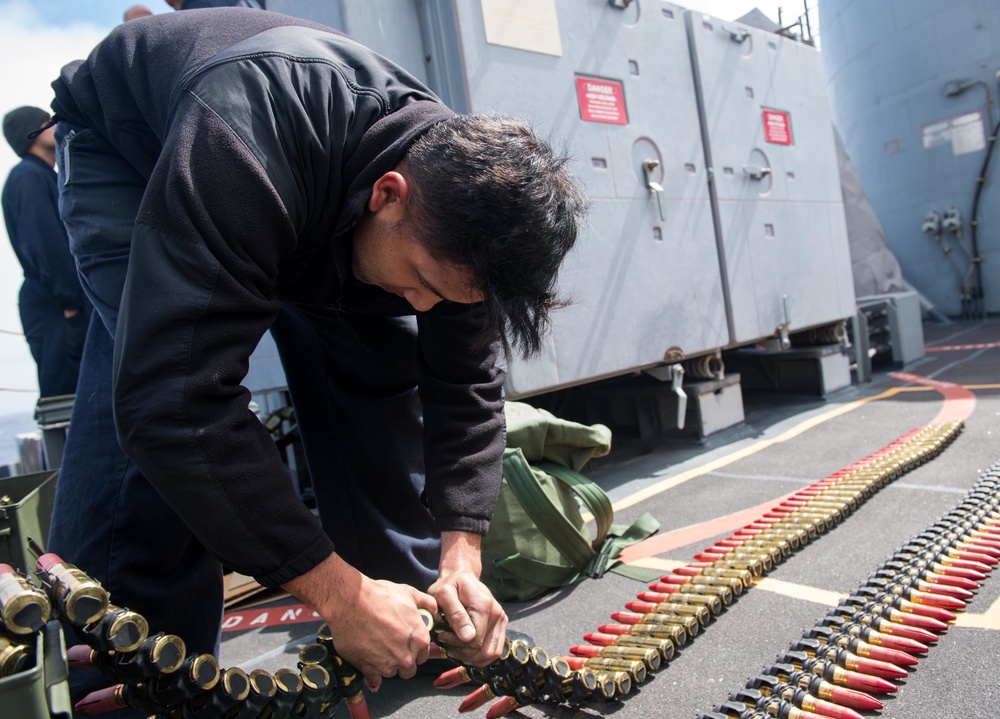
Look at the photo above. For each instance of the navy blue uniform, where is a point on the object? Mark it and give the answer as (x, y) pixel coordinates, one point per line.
(30, 210)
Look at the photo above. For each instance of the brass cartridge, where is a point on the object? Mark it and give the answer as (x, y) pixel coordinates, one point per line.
(24, 608)
(78, 597)
(14, 657)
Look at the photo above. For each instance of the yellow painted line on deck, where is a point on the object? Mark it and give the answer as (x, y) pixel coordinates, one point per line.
(664, 565)
(800, 428)
(775, 586)
(805, 426)
(800, 591)
(990, 619)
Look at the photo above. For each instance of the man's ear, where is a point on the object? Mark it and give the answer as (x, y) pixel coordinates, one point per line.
(390, 189)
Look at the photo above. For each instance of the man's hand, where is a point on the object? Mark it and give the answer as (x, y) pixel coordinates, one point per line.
(478, 621)
(375, 624)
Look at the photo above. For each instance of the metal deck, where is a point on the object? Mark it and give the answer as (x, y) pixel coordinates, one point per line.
(698, 491)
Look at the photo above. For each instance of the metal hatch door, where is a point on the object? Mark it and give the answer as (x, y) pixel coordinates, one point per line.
(777, 181)
(614, 86)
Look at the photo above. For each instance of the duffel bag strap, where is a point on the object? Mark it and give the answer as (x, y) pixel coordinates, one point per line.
(611, 538)
(593, 497)
(549, 519)
(619, 537)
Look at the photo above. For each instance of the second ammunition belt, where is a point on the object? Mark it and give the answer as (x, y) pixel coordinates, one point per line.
(868, 641)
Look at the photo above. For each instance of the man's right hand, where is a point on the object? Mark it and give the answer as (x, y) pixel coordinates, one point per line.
(375, 624)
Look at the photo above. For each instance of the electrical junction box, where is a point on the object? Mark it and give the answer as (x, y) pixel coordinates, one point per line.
(895, 327)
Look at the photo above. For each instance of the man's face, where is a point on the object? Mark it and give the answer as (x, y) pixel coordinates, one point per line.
(46, 139)
(387, 253)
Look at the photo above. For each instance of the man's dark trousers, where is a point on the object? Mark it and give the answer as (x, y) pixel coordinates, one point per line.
(55, 341)
(107, 519)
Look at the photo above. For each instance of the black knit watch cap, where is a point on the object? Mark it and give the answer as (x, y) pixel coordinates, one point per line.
(21, 122)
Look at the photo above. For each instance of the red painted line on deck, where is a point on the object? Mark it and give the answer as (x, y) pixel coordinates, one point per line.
(681, 537)
(959, 348)
(959, 402)
(268, 617)
(958, 405)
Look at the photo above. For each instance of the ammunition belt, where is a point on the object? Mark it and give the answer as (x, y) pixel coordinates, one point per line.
(869, 640)
(153, 673)
(621, 656)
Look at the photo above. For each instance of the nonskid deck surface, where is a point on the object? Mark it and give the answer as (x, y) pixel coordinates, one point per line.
(705, 493)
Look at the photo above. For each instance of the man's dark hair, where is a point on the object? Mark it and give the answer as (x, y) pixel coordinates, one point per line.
(493, 198)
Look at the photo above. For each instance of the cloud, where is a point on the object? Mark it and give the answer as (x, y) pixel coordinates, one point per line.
(31, 56)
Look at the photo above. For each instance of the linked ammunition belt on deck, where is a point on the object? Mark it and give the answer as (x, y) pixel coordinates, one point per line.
(870, 638)
(854, 650)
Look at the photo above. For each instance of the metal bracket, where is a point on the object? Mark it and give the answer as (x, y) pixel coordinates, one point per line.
(952, 220)
(932, 224)
(676, 382)
(738, 35)
(674, 374)
(620, 3)
(783, 339)
(648, 166)
(756, 172)
(782, 329)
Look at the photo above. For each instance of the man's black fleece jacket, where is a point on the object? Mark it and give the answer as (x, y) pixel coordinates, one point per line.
(260, 137)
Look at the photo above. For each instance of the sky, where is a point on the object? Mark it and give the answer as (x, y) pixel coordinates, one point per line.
(37, 38)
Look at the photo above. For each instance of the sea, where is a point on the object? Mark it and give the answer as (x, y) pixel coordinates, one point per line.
(11, 425)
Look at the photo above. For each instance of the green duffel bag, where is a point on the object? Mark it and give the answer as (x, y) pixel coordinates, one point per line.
(538, 540)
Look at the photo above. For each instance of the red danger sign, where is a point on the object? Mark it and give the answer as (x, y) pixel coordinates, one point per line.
(601, 101)
(777, 127)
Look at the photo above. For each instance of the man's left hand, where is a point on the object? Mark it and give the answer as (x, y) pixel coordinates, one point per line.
(477, 620)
